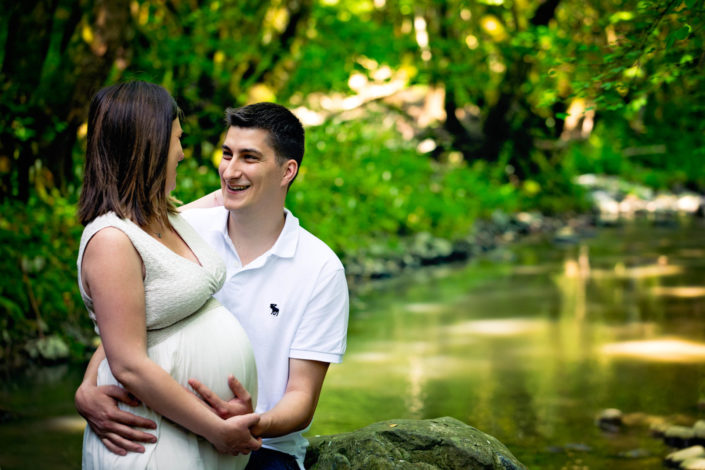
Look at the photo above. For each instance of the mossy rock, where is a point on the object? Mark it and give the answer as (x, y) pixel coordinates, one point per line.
(432, 444)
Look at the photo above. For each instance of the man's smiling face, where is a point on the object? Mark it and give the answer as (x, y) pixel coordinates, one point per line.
(251, 176)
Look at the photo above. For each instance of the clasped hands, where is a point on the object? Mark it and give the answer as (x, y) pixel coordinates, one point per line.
(116, 428)
(238, 412)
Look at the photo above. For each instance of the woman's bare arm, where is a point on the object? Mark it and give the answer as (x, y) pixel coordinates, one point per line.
(112, 270)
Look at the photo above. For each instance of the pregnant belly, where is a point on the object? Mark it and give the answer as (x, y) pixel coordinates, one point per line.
(208, 346)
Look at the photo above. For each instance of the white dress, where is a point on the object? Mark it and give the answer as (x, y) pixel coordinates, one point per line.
(189, 334)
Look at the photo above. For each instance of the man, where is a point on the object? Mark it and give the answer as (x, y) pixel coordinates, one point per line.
(286, 287)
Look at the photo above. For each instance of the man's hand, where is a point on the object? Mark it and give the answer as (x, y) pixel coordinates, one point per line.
(114, 427)
(239, 405)
(235, 437)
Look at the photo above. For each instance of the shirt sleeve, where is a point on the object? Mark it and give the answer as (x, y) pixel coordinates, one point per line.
(322, 333)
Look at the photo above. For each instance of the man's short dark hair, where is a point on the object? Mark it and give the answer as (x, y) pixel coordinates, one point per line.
(286, 134)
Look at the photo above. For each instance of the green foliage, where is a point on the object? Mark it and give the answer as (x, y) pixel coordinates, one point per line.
(338, 41)
(195, 180)
(519, 81)
(38, 293)
(360, 183)
(637, 49)
(655, 159)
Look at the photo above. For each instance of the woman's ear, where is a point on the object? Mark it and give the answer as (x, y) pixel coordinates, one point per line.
(290, 168)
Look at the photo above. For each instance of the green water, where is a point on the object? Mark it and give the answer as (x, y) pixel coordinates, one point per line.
(514, 346)
(524, 345)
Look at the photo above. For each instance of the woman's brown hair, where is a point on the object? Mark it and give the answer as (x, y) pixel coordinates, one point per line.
(129, 130)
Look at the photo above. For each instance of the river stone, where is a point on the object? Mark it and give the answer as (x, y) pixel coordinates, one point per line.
(50, 349)
(677, 458)
(699, 430)
(679, 436)
(635, 454)
(432, 444)
(696, 463)
(609, 419)
(658, 428)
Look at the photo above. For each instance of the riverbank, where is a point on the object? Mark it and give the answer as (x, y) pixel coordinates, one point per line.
(613, 201)
(41, 284)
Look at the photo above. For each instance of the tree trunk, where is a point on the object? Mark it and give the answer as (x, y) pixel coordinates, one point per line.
(299, 12)
(497, 128)
(26, 47)
(56, 102)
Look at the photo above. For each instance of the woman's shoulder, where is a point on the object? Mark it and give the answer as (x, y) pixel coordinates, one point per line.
(111, 245)
(109, 219)
(110, 235)
(109, 228)
(105, 243)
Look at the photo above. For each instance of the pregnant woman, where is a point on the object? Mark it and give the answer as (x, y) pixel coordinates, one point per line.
(147, 279)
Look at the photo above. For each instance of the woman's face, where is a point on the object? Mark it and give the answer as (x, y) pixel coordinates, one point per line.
(176, 154)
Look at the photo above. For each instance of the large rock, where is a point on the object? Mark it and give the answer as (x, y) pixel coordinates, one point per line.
(441, 443)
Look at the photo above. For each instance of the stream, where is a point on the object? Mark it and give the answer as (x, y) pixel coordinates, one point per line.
(528, 343)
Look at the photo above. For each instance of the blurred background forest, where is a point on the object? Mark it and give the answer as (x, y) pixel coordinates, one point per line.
(421, 116)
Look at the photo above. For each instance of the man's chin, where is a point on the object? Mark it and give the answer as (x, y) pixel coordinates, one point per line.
(233, 206)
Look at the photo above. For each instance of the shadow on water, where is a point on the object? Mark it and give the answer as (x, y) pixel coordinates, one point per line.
(527, 345)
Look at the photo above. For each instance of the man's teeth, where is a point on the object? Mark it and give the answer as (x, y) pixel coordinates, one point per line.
(238, 187)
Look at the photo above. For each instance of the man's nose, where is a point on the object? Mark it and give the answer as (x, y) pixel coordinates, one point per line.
(233, 169)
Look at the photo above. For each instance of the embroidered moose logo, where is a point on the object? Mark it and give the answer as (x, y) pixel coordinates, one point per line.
(275, 309)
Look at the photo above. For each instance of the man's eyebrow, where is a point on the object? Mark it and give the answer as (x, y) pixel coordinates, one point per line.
(255, 151)
(245, 150)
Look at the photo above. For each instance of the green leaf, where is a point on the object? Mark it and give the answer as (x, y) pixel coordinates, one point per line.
(687, 58)
(670, 39)
(682, 32)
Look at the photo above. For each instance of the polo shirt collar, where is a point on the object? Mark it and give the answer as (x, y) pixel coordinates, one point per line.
(285, 246)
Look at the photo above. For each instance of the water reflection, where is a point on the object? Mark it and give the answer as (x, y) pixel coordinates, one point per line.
(659, 269)
(531, 351)
(415, 398)
(71, 423)
(503, 327)
(686, 292)
(661, 350)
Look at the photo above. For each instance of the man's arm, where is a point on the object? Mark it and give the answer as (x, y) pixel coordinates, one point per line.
(98, 405)
(292, 413)
(295, 410)
(213, 199)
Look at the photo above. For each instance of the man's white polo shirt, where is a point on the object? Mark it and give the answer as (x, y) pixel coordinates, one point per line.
(292, 301)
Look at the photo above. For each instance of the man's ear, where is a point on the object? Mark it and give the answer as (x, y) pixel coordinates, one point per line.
(290, 168)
